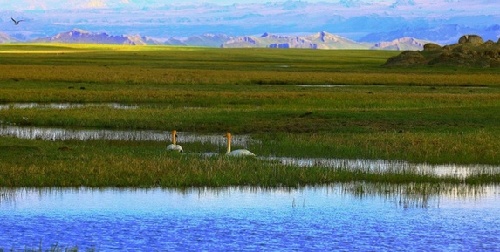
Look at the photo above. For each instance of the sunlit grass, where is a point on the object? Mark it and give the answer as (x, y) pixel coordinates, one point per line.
(147, 164)
(418, 147)
(298, 103)
(197, 65)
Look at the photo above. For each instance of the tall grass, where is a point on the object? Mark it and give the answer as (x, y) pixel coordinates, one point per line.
(358, 109)
(475, 147)
(146, 164)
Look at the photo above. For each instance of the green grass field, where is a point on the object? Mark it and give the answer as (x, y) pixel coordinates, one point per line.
(298, 103)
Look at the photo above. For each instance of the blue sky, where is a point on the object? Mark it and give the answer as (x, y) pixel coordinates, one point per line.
(19, 5)
(72, 4)
(387, 19)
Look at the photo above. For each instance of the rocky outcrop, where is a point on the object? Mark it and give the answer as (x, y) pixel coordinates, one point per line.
(470, 51)
(431, 47)
(470, 39)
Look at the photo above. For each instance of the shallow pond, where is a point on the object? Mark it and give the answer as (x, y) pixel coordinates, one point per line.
(54, 134)
(61, 106)
(373, 166)
(390, 166)
(338, 217)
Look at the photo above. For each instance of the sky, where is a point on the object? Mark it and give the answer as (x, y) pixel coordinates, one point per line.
(72, 4)
(352, 18)
(20, 5)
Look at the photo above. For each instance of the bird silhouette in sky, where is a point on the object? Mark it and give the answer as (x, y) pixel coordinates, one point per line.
(16, 22)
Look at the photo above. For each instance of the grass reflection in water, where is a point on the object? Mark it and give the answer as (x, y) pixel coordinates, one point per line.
(420, 195)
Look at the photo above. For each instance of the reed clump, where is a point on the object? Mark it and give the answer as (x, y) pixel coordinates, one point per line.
(145, 164)
(297, 103)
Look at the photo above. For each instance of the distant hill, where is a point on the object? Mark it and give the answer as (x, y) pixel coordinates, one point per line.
(208, 39)
(442, 34)
(4, 38)
(86, 37)
(402, 44)
(321, 40)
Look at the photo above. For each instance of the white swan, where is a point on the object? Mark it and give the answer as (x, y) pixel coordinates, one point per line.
(174, 146)
(236, 153)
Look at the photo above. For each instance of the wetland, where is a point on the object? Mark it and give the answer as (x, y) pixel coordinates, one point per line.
(346, 149)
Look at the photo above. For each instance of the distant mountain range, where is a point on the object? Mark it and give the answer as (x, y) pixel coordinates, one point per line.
(364, 21)
(5, 38)
(85, 37)
(319, 40)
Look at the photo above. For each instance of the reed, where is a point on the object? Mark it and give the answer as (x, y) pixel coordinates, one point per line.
(474, 147)
(299, 103)
(145, 164)
(53, 248)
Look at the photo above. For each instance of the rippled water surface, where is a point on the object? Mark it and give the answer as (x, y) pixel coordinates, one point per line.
(337, 217)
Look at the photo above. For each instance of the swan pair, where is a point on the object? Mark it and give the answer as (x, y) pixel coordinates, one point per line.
(235, 153)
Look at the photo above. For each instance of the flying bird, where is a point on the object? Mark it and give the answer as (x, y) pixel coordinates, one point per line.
(16, 22)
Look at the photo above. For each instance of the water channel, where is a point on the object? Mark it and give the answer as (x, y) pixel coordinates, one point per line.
(377, 166)
(339, 217)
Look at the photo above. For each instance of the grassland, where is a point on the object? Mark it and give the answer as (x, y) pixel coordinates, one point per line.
(299, 103)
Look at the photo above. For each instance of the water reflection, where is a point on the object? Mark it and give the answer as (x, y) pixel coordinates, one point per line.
(26, 132)
(371, 166)
(325, 86)
(422, 195)
(390, 166)
(405, 195)
(350, 217)
(34, 105)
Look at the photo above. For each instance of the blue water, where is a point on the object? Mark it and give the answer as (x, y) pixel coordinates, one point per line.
(249, 219)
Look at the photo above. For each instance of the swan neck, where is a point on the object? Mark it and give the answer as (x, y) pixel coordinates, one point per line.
(228, 144)
(173, 137)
